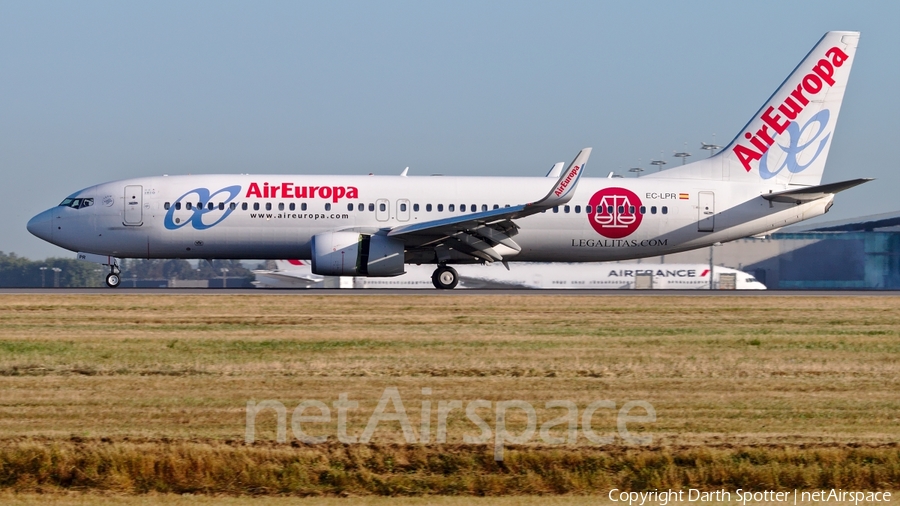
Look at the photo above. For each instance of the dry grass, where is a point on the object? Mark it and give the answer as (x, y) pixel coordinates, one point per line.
(769, 373)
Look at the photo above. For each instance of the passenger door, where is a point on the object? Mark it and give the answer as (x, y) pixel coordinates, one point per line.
(707, 208)
(134, 196)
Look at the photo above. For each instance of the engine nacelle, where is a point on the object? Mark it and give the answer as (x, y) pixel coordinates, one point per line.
(355, 254)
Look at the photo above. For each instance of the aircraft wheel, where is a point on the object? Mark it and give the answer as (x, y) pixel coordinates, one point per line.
(445, 278)
(113, 280)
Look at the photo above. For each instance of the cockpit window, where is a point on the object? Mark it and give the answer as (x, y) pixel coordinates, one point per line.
(76, 203)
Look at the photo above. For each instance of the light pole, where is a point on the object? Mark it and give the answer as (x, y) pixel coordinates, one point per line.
(56, 271)
(658, 163)
(133, 280)
(224, 277)
(637, 171)
(682, 154)
(711, 266)
(710, 147)
(43, 273)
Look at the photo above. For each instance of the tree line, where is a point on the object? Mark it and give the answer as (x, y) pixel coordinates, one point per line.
(20, 272)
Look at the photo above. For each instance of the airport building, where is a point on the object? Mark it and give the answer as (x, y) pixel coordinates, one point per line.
(858, 254)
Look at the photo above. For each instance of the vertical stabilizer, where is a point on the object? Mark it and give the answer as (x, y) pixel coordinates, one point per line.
(787, 140)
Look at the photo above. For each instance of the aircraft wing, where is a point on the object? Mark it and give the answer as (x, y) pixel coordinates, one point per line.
(810, 193)
(276, 279)
(478, 234)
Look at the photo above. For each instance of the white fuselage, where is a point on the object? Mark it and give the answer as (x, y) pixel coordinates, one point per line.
(149, 217)
(581, 276)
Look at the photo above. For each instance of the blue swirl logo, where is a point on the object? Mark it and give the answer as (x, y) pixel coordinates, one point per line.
(794, 149)
(196, 213)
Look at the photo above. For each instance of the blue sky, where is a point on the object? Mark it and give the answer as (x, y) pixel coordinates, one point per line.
(97, 91)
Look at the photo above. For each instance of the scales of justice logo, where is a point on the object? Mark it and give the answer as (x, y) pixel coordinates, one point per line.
(614, 212)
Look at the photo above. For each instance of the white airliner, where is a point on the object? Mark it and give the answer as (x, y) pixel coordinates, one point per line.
(769, 176)
(298, 274)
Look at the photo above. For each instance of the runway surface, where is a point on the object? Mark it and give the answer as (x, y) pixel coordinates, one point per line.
(444, 293)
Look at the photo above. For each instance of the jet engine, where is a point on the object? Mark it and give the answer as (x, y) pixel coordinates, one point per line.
(356, 254)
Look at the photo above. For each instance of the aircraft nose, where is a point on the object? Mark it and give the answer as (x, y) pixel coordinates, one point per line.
(42, 225)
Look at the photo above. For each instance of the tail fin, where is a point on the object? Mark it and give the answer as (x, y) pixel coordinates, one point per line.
(788, 139)
(292, 265)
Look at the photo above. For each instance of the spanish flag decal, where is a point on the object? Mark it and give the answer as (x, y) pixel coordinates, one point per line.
(683, 196)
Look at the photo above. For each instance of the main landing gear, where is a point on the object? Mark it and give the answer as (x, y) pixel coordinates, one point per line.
(445, 278)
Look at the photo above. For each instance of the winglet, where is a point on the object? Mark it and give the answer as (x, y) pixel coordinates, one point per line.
(556, 169)
(565, 186)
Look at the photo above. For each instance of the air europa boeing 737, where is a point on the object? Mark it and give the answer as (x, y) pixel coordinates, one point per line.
(769, 176)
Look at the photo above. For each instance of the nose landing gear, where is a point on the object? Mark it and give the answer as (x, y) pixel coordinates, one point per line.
(445, 278)
(112, 279)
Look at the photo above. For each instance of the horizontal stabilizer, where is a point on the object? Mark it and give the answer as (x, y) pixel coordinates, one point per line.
(810, 193)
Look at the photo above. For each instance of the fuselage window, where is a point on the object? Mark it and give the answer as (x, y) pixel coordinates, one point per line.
(609, 209)
(328, 206)
(303, 206)
(268, 206)
(631, 209)
(256, 206)
(281, 206)
(199, 205)
(292, 206)
(440, 208)
(462, 208)
(381, 207)
(577, 209)
(416, 207)
(555, 209)
(371, 207)
(403, 207)
(87, 202)
(178, 206)
(643, 209)
(221, 206)
(166, 206)
(665, 210)
(349, 207)
(506, 205)
(451, 208)
(428, 208)
(361, 207)
(232, 206)
(496, 206)
(187, 205)
(243, 206)
(588, 209)
(652, 209)
(567, 209)
(484, 207)
(621, 209)
(210, 206)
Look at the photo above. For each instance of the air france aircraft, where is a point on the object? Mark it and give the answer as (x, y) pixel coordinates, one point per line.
(768, 177)
(593, 276)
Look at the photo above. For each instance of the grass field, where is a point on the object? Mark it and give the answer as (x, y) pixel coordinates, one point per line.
(147, 394)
